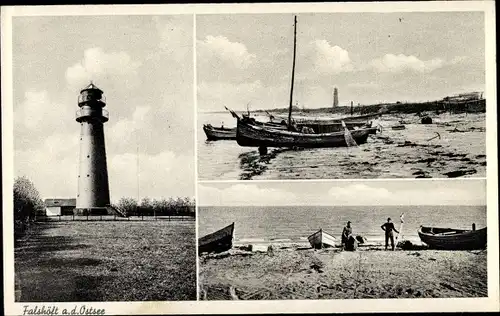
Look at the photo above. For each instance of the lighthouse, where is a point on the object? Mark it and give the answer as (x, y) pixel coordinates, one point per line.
(335, 98)
(93, 187)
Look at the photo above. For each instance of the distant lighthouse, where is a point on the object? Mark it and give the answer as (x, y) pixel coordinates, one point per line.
(93, 186)
(335, 97)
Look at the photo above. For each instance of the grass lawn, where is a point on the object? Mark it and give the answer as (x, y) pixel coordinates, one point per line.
(107, 261)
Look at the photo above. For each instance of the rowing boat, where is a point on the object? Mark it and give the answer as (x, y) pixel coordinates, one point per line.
(320, 239)
(218, 241)
(453, 239)
(252, 135)
(217, 133)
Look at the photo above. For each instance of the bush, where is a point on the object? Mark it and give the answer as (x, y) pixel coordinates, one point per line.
(27, 204)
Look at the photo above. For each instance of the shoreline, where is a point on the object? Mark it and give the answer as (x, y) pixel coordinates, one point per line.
(453, 146)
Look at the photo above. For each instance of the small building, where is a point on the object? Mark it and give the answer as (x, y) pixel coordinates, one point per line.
(54, 207)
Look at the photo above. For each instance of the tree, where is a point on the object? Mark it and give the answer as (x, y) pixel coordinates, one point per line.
(146, 206)
(27, 204)
(128, 205)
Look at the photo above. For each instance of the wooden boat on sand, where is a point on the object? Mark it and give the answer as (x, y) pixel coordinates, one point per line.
(217, 133)
(320, 239)
(251, 135)
(318, 126)
(398, 127)
(218, 241)
(453, 239)
(326, 121)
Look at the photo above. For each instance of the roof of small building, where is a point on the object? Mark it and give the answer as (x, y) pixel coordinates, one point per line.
(60, 202)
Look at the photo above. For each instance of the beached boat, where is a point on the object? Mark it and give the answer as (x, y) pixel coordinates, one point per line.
(360, 119)
(217, 133)
(453, 239)
(219, 241)
(318, 126)
(251, 135)
(320, 239)
(398, 127)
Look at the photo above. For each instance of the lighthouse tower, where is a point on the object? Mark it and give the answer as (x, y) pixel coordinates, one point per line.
(93, 187)
(335, 98)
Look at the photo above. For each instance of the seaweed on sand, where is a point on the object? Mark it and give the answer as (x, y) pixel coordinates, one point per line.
(253, 164)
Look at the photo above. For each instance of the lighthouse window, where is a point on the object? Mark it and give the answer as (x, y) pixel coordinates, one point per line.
(88, 156)
(88, 175)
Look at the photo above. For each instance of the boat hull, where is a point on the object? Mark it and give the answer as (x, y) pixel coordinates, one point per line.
(219, 241)
(217, 133)
(320, 239)
(319, 127)
(453, 239)
(346, 119)
(398, 127)
(250, 135)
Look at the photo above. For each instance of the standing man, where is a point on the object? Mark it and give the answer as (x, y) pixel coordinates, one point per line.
(389, 228)
(346, 233)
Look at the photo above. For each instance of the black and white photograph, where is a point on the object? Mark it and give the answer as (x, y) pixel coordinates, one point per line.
(342, 240)
(249, 158)
(104, 187)
(341, 95)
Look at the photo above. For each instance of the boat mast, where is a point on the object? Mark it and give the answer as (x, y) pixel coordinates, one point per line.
(293, 73)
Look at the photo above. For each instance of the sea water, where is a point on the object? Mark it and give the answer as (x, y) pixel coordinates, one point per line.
(293, 224)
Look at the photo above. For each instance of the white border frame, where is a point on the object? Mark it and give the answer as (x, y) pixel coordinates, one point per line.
(292, 306)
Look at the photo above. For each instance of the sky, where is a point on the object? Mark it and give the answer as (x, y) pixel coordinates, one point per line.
(144, 65)
(370, 57)
(352, 193)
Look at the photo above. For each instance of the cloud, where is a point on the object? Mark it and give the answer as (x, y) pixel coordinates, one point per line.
(280, 52)
(235, 95)
(458, 60)
(123, 131)
(362, 194)
(358, 194)
(216, 95)
(219, 50)
(441, 196)
(399, 63)
(243, 194)
(39, 111)
(364, 85)
(159, 175)
(176, 35)
(39, 164)
(342, 193)
(328, 58)
(98, 65)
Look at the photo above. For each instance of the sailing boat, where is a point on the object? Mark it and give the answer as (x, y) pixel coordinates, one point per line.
(251, 134)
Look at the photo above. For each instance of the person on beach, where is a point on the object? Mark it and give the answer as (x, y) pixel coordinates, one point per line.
(389, 228)
(346, 232)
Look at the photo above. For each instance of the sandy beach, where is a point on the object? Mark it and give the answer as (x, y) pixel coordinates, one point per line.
(295, 272)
